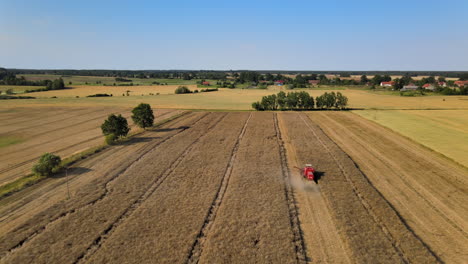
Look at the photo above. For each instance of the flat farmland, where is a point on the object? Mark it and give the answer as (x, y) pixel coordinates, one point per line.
(117, 91)
(224, 99)
(214, 187)
(444, 131)
(429, 192)
(29, 132)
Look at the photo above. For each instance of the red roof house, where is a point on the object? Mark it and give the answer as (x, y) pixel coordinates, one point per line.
(428, 86)
(314, 82)
(461, 83)
(279, 83)
(391, 83)
(442, 84)
(205, 83)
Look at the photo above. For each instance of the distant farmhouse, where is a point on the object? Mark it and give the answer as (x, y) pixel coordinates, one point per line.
(279, 83)
(442, 84)
(206, 83)
(410, 87)
(461, 83)
(314, 82)
(387, 84)
(429, 86)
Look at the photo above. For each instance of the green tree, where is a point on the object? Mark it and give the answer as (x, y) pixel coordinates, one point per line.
(463, 77)
(341, 101)
(182, 90)
(116, 125)
(320, 101)
(305, 100)
(48, 163)
(377, 79)
(281, 98)
(364, 79)
(143, 115)
(257, 106)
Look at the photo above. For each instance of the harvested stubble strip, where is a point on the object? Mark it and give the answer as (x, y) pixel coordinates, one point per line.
(98, 205)
(426, 190)
(17, 209)
(164, 228)
(363, 217)
(252, 224)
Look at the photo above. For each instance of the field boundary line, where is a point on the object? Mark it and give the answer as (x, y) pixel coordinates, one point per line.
(299, 242)
(197, 247)
(97, 243)
(363, 201)
(145, 150)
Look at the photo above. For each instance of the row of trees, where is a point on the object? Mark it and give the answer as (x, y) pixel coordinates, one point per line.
(300, 101)
(186, 90)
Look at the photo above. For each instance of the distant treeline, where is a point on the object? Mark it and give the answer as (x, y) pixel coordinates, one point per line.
(169, 74)
(218, 75)
(8, 78)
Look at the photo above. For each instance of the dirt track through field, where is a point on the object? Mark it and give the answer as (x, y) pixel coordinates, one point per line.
(366, 222)
(253, 221)
(197, 247)
(429, 192)
(322, 240)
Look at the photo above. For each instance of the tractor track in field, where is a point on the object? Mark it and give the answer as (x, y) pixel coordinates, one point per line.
(145, 150)
(148, 192)
(363, 201)
(404, 179)
(299, 242)
(17, 165)
(197, 247)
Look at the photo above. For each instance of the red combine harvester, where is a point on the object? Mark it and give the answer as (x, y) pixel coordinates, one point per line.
(308, 172)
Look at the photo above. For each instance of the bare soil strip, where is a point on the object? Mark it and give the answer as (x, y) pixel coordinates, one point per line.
(166, 225)
(320, 233)
(428, 191)
(369, 226)
(197, 248)
(112, 187)
(252, 224)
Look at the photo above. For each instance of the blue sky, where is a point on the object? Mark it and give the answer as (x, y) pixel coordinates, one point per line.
(223, 35)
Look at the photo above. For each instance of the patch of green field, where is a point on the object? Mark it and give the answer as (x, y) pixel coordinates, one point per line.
(445, 131)
(8, 140)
